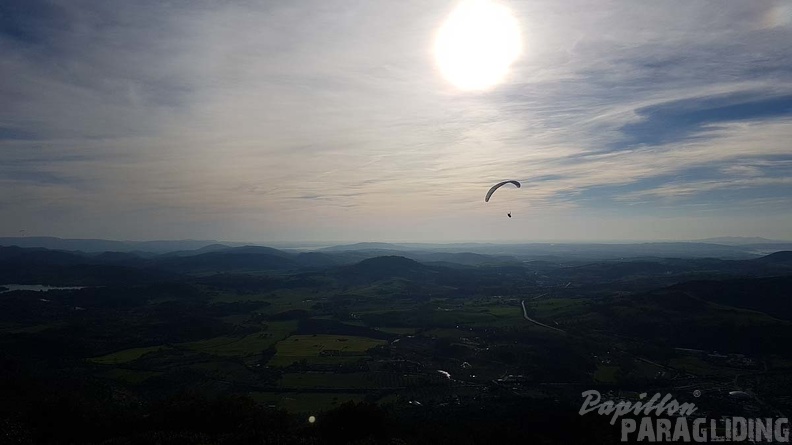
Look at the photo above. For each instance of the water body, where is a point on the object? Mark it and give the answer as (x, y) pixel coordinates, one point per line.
(34, 287)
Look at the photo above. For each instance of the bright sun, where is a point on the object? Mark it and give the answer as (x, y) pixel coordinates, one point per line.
(477, 44)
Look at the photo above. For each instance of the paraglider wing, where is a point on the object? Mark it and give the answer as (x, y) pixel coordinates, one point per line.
(497, 186)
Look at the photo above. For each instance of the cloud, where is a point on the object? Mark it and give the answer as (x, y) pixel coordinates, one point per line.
(684, 119)
(693, 188)
(741, 170)
(234, 118)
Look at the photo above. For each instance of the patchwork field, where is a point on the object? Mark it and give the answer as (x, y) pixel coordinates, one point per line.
(322, 349)
(227, 346)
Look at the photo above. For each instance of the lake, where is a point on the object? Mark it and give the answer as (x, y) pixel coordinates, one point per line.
(34, 287)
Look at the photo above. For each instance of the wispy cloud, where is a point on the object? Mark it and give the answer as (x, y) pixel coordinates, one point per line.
(257, 120)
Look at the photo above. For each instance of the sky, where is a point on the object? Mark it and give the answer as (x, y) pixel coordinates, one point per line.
(329, 120)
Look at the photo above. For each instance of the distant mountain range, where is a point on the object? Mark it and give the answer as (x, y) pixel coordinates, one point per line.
(587, 264)
(102, 245)
(740, 240)
(458, 253)
(581, 251)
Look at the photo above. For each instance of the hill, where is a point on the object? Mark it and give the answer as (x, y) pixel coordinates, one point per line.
(749, 316)
(239, 259)
(783, 257)
(384, 267)
(772, 295)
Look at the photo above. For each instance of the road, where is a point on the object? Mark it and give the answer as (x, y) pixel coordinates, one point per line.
(525, 314)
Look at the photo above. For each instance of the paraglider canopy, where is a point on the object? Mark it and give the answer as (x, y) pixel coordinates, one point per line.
(497, 186)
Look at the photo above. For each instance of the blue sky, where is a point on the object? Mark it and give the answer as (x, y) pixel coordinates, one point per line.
(329, 121)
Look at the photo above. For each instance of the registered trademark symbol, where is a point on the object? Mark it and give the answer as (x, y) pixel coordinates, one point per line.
(697, 393)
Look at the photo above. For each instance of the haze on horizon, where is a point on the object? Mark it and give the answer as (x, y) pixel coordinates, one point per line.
(331, 121)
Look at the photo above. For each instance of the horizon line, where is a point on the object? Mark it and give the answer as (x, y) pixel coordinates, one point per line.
(331, 243)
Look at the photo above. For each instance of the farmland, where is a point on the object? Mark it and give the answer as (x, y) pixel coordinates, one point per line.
(411, 339)
(322, 349)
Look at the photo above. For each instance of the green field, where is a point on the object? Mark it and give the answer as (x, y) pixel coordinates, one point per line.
(506, 315)
(223, 297)
(471, 316)
(554, 307)
(125, 356)
(253, 344)
(446, 333)
(131, 376)
(505, 311)
(310, 347)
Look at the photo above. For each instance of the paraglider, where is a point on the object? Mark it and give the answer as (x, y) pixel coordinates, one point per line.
(496, 187)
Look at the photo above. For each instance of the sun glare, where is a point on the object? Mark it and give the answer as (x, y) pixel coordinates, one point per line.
(477, 44)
